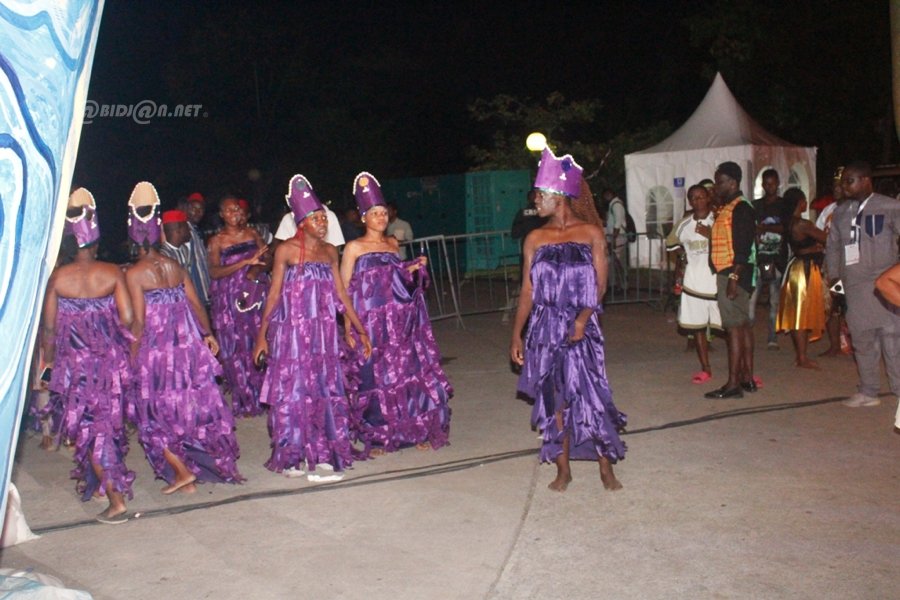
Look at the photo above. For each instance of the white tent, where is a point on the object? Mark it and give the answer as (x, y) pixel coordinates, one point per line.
(719, 130)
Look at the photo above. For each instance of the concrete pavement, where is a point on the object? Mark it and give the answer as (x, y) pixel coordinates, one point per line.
(783, 494)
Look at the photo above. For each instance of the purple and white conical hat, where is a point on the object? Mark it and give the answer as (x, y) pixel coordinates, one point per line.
(146, 229)
(560, 175)
(301, 198)
(367, 191)
(83, 226)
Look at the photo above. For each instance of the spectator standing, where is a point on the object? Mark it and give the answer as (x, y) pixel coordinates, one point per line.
(399, 228)
(197, 260)
(862, 244)
(771, 257)
(616, 239)
(802, 305)
(698, 310)
(733, 258)
(836, 304)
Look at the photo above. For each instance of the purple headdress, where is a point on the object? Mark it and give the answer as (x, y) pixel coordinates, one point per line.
(558, 175)
(301, 198)
(367, 191)
(84, 226)
(146, 229)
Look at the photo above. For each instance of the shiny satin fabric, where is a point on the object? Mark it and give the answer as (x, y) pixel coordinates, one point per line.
(565, 377)
(400, 395)
(235, 322)
(90, 378)
(802, 304)
(304, 379)
(176, 403)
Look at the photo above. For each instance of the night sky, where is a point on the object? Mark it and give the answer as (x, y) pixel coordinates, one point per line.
(331, 88)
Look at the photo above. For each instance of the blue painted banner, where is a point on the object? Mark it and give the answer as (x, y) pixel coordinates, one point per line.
(46, 52)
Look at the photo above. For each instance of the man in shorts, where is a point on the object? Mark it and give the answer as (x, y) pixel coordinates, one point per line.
(733, 258)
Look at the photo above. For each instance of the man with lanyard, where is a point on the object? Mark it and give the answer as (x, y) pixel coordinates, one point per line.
(862, 244)
(733, 258)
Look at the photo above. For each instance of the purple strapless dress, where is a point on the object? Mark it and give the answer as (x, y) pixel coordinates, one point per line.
(400, 395)
(91, 376)
(304, 380)
(177, 403)
(564, 376)
(236, 313)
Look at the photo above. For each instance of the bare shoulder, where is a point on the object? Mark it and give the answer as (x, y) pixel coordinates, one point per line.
(214, 241)
(331, 252)
(110, 270)
(536, 237)
(352, 249)
(289, 247)
(592, 231)
(168, 262)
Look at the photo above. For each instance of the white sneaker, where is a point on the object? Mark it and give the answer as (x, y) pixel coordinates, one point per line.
(330, 476)
(292, 472)
(858, 399)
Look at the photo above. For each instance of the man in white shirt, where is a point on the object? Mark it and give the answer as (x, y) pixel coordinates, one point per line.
(399, 228)
(616, 239)
(287, 228)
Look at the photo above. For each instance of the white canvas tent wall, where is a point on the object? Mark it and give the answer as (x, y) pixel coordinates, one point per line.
(656, 178)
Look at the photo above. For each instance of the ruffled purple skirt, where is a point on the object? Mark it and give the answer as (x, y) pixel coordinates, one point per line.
(87, 392)
(570, 378)
(236, 314)
(400, 394)
(564, 377)
(304, 380)
(177, 405)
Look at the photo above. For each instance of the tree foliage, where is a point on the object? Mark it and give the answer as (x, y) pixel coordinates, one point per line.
(572, 127)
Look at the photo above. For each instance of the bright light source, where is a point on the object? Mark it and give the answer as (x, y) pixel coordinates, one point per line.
(536, 142)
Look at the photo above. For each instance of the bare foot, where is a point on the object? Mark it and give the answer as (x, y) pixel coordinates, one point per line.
(423, 446)
(47, 444)
(189, 488)
(376, 451)
(831, 352)
(608, 477)
(561, 482)
(179, 483)
(807, 364)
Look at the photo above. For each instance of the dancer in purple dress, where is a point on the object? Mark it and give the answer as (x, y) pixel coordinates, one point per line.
(184, 425)
(304, 382)
(85, 340)
(400, 393)
(563, 362)
(237, 295)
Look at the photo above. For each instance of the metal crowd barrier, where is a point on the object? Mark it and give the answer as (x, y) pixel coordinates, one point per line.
(480, 273)
(442, 295)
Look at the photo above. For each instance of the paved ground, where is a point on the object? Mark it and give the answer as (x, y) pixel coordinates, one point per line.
(784, 494)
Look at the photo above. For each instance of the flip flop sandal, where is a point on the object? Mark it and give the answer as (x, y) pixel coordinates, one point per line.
(701, 377)
(116, 520)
